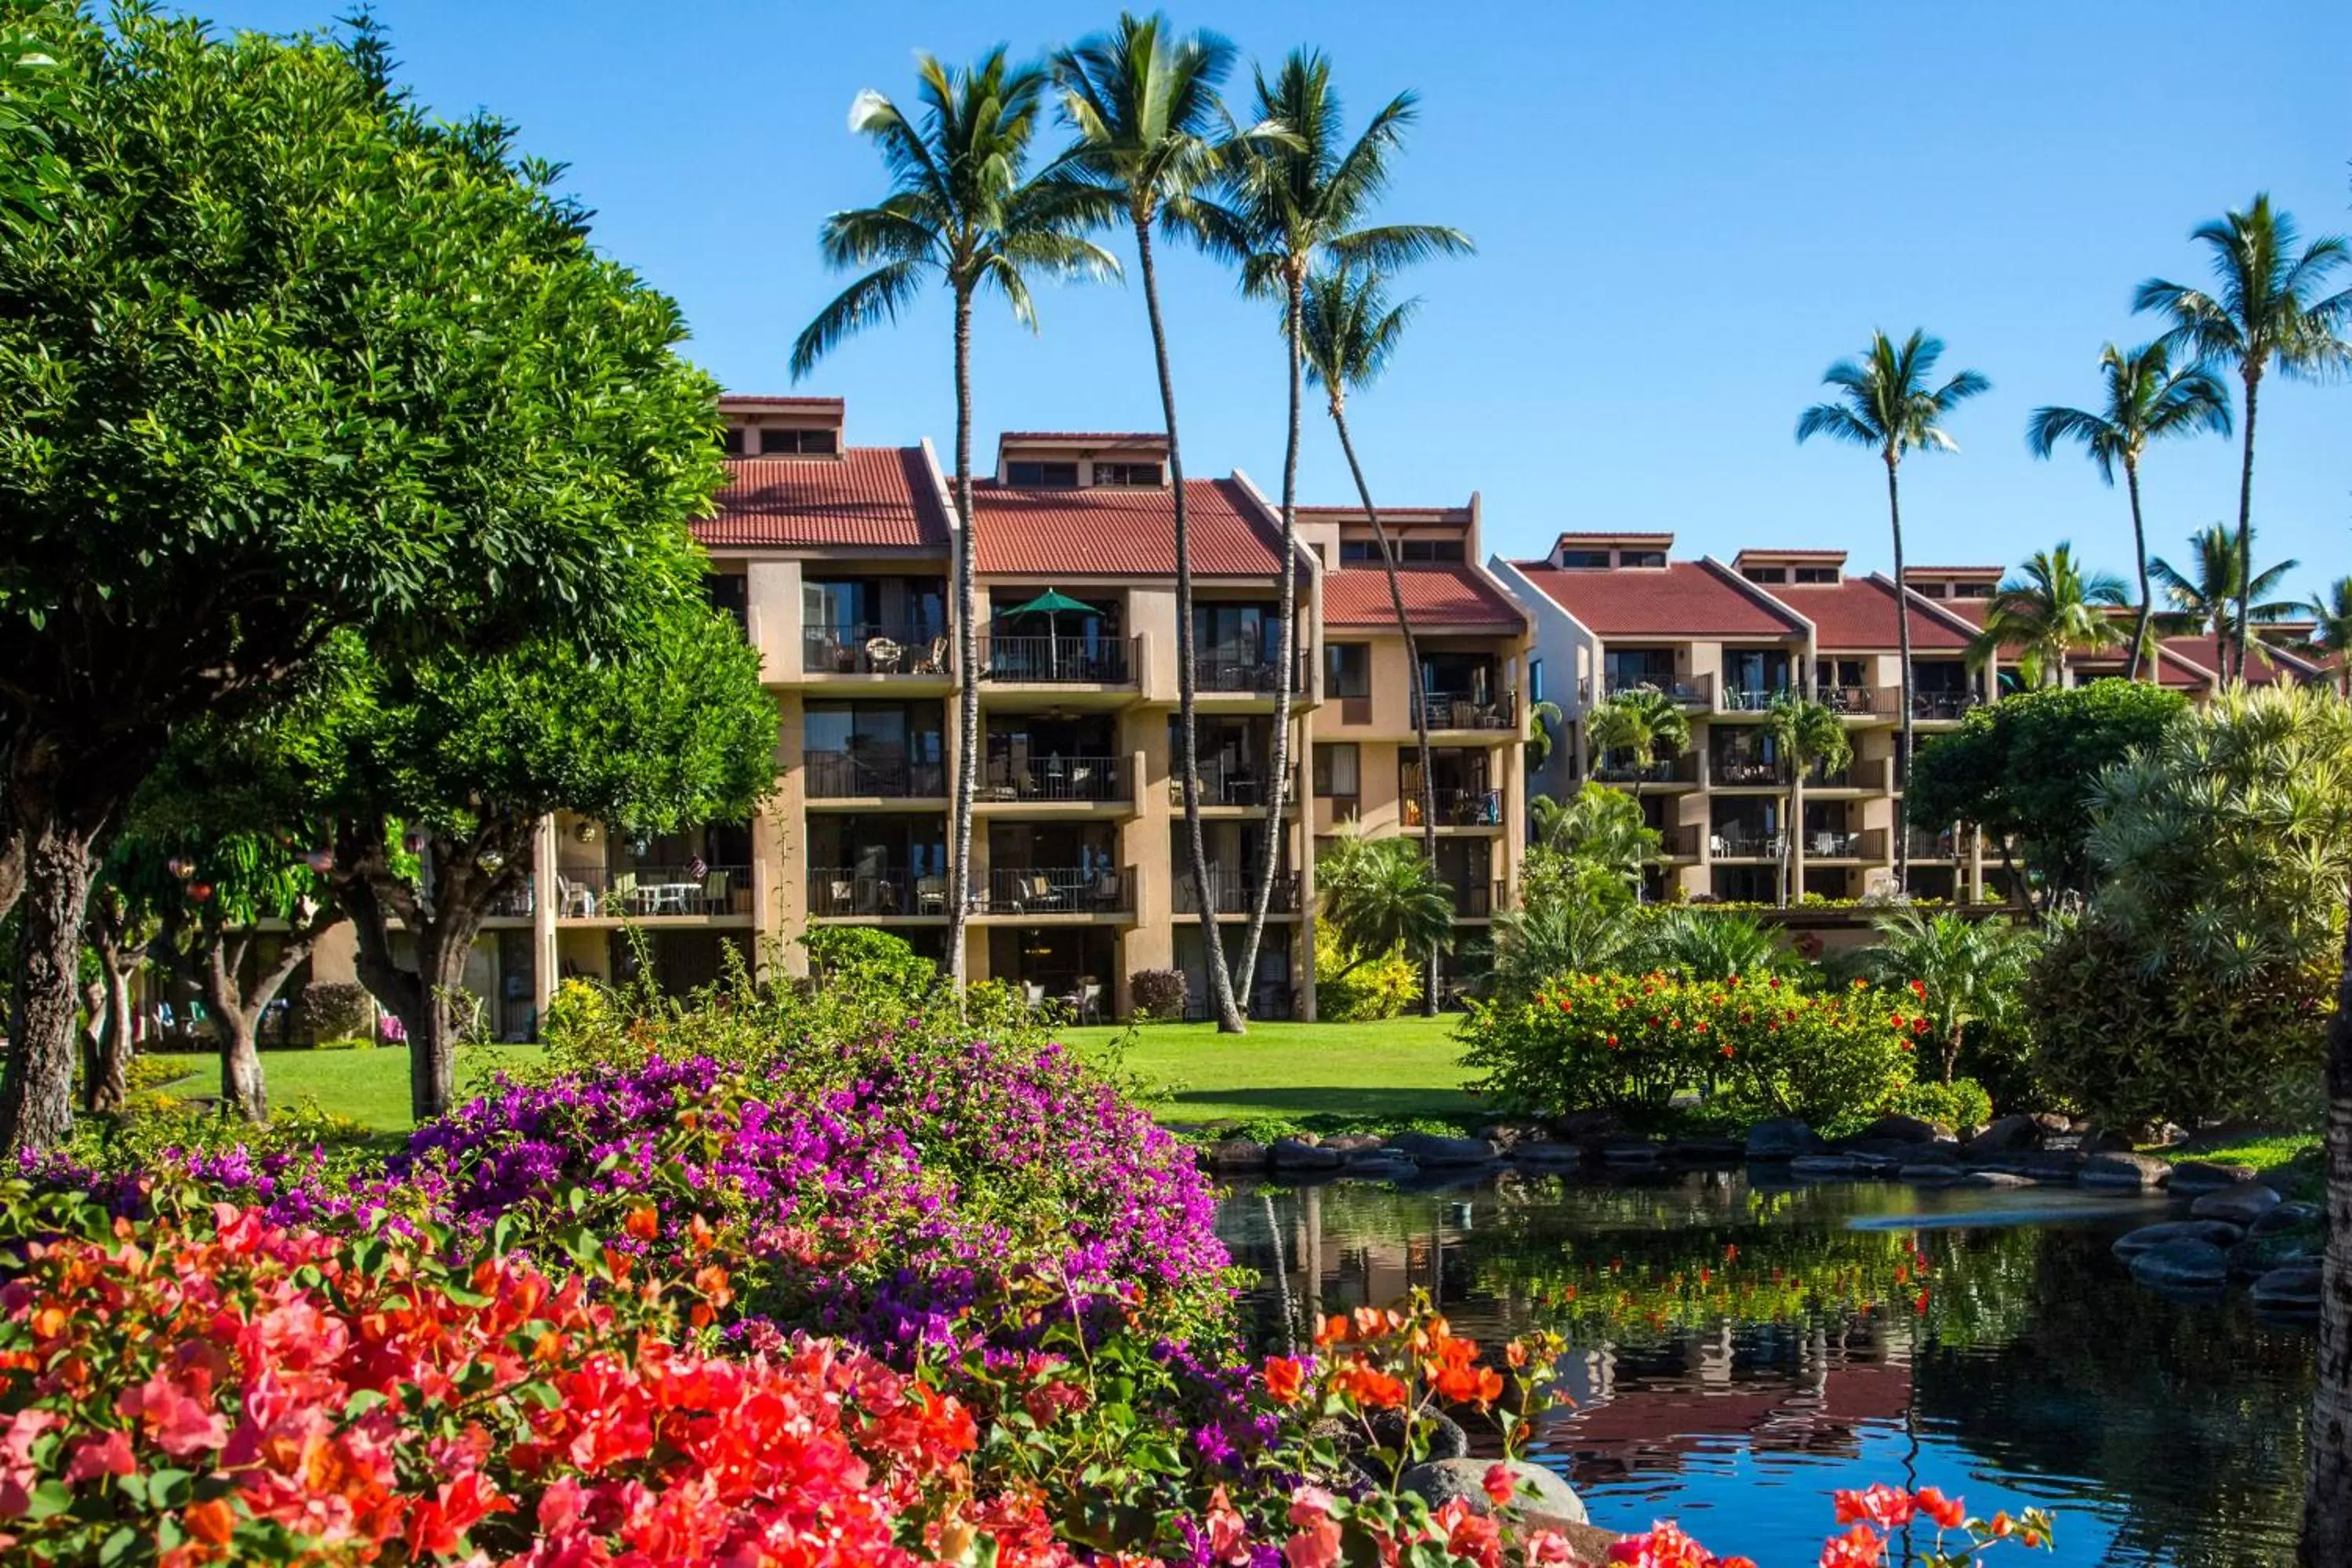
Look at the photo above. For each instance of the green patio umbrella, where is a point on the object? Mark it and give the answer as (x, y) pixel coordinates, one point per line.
(1049, 603)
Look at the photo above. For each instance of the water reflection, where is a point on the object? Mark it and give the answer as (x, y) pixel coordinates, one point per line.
(1741, 1349)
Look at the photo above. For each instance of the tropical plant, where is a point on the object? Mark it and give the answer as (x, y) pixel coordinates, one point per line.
(1886, 404)
(1353, 988)
(2054, 610)
(2331, 634)
(1963, 972)
(1639, 723)
(1599, 826)
(1569, 922)
(2209, 597)
(963, 209)
(1809, 734)
(2266, 308)
(2147, 400)
(1711, 944)
(1302, 192)
(1379, 895)
(1144, 105)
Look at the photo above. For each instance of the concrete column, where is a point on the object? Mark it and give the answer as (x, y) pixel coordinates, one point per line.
(779, 847)
(1302, 841)
(543, 919)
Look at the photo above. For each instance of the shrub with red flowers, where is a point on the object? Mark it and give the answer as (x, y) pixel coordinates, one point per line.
(1753, 1047)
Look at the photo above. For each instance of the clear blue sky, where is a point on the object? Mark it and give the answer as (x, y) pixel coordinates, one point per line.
(1684, 215)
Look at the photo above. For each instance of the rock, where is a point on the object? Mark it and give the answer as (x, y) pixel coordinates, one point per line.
(1440, 1481)
(1507, 1135)
(2184, 1265)
(2103, 1141)
(2258, 1255)
(1899, 1130)
(2040, 1165)
(1548, 1153)
(1783, 1140)
(2241, 1205)
(1995, 1179)
(1446, 1440)
(1431, 1148)
(1934, 1172)
(1631, 1154)
(2131, 1243)
(2195, 1178)
(2006, 1135)
(1298, 1154)
(2285, 1218)
(1825, 1167)
(2292, 1291)
(2119, 1169)
(1354, 1142)
(1587, 1126)
(1237, 1155)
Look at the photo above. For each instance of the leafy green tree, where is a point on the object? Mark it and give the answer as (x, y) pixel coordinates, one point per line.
(1886, 404)
(1303, 194)
(2054, 610)
(1809, 734)
(2331, 635)
(2209, 596)
(1572, 920)
(2022, 769)
(2147, 400)
(30, 88)
(1381, 895)
(964, 210)
(1599, 826)
(1964, 972)
(436, 772)
(2267, 308)
(1145, 108)
(290, 357)
(1639, 723)
(1710, 945)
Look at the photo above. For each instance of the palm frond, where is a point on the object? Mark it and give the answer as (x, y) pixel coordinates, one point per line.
(878, 296)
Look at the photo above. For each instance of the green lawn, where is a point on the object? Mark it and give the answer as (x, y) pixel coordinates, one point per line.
(2294, 1158)
(369, 1087)
(1390, 1071)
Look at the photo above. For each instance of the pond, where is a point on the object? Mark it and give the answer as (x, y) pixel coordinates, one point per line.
(1742, 1348)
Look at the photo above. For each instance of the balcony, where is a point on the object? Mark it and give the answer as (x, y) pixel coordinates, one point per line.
(1057, 891)
(1854, 701)
(1675, 770)
(1477, 900)
(642, 891)
(1235, 671)
(876, 649)
(1830, 844)
(837, 892)
(1458, 808)
(871, 774)
(515, 904)
(1737, 771)
(1056, 661)
(1750, 699)
(1942, 705)
(1077, 780)
(1696, 692)
(1229, 784)
(1232, 893)
(1462, 710)
(1818, 775)
(1737, 842)
(1677, 843)
(1951, 844)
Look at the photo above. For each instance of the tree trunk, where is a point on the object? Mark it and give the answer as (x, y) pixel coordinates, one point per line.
(967, 651)
(122, 1041)
(1287, 639)
(36, 1088)
(1419, 697)
(1903, 645)
(1220, 984)
(2327, 1493)
(2147, 596)
(2253, 373)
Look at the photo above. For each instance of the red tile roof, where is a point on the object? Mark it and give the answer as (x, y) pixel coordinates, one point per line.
(877, 496)
(1858, 613)
(1117, 531)
(1434, 597)
(1683, 599)
(2283, 664)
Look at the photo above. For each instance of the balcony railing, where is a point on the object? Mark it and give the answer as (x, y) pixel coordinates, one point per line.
(871, 773)
(628, 892)
(1243, 671)
(1058, 661)
(1751, 699)
(1951, 844)
(1462, 710)
(1476, 901)
(1680, 769)
(835, 892)
(1224, 783)
(1731, 770)
(1847, 699)
(1231, 892)
(1058, 890)
(1458, 807)
(873, 648)
(1834, 843)
(1677, 843)
(1820, 777)
(1053, 779)
(515, 904)
(1735, 843)
(1942, 704)
(1696, 692)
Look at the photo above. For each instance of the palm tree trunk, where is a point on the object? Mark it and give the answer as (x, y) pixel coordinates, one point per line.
(1287, 641)
(967, 651)
(2246, 516)
(2328, 1490)
(2146, 596)
(1420, 699)
(1790, 891)
(1220, 984)
(1903, 645)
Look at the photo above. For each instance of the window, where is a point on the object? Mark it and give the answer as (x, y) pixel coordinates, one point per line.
(730, 440)
(1337, 773)
(1041, 475)
(1640, 558)
(1929, 590)
(1348, 669)
(1584, 560)
(1817, 574)
(1972, 590)
(1126, 473)
(1429, 550)
(1765, 574)
(729, 591)
(774, 441)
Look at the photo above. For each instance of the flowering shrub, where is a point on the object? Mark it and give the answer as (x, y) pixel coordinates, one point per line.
(1869, 1515)
(1756, 1048)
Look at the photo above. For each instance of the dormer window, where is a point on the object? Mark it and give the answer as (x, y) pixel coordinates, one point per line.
(1817, 574)
(1041, 475)
(775, 442)
(1640, 558)
(1120, 473)
(1929, 590)
(1584, 560)
(1765, 574)
(1972, 590)
(730, 440)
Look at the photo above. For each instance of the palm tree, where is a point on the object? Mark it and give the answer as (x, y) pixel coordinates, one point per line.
(1347, 331)
(961, 209)
(2147, 400)
(1886, 404)
(2054, 610)
(1144, 105)
(1640, 722)
(1806, 734)
(1303, 194)
(2266, 308)
(2212, 597)
(1966, 971)
(1712, 944)
(1597, 826)
(2333, 634)
(1379, 896)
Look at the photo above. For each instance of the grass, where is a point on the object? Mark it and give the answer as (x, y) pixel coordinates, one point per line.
(369, 1087)
(1399, 1071)
(2295, 1157)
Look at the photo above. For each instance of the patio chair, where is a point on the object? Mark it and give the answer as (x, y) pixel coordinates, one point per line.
(715, 893)
(930, 895)
(623, 899)
(842, 893)
(1089, 1001)
(1035, 891)
(882, 655)
(933, 660)
(574, 898)
(1105, 889)
(1033, 993)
